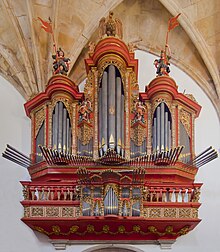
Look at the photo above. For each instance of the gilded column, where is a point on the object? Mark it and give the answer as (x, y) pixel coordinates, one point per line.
(95, 102)
(74, 125)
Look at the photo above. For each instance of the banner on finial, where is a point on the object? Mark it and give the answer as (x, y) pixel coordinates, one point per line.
(46, 25)
(173, 22)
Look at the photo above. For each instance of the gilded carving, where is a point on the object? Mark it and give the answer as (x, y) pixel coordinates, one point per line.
(185, 120)
(26, 212)
(191, 97)
(118, 63)
(85, 133)
(158, 101)
(170, 212)
(185, 213)
(88, 89)
(52, 212)
(196, 195)
(90, 229)
(138, 134)
(155, 212)
(195, 213)
(68, 212)
(39, 119)
(37, 212)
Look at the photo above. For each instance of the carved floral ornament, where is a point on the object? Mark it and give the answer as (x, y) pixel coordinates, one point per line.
(138, 134)
(116, 61)
(65, 101)
(85, 133)
(185, 120)
(39, 119)
(158, 101)
(106, 229)
(88, 89)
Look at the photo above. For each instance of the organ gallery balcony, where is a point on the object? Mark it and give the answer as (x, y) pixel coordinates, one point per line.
(112, 205)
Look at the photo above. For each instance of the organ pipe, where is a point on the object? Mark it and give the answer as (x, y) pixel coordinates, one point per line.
(60, 126)
(162, 126)
(111, 111)
(61, 129)
(122, 124)
(111, 106)
(55, 132)
(104, 118)
(119, 114)
(166, 131)
(158, 128)
(64, 129)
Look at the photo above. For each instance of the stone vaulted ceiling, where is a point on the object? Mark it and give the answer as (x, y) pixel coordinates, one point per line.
(26, 49)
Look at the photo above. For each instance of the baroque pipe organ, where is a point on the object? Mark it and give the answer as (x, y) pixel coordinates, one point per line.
(112, 163)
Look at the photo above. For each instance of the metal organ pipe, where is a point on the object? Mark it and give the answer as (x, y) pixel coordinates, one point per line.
(64, 147)
(111, 106)
(111, 111)
(122, 124)
(162, 126)
(119, 114)
(158, 128)
(100, 123)
(155, 134)
(55, 127)
(166, 131)
(104, 112)
(67, 135)
(60, 126)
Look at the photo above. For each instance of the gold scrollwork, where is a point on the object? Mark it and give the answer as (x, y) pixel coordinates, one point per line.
(39, 119)
(88, 89)
(116, 61)
(138, 134)
(85, 133)
(185, 120)
(90, 229)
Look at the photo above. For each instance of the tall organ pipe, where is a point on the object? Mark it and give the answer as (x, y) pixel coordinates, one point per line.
(111, 106)
(64, 147)
(158, 128)
(169, 135)
(162, 126)
(155, 135)
(60, 127)
(55, 127)
(67, 134)
(166, 131)
(122, 124)
(100, 122)
(104, 113)
(119, 114)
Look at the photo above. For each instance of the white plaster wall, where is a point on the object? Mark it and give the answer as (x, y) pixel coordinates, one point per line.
(15, 236)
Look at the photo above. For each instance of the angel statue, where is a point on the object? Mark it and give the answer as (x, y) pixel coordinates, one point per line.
(110, 27)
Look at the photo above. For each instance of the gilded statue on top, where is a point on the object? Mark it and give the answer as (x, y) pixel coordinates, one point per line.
(110, 27)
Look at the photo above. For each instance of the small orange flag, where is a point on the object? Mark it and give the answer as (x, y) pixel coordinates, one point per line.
(173, 22)
(46, 25)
